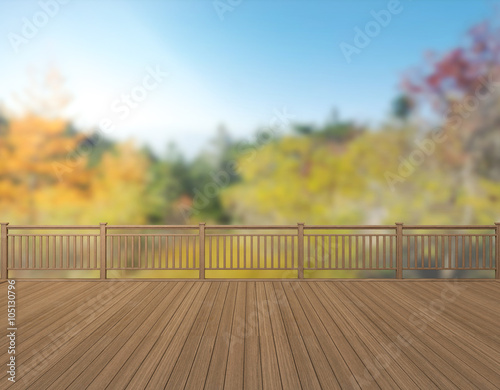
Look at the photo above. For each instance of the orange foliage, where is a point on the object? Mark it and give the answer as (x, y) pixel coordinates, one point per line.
(45, 178)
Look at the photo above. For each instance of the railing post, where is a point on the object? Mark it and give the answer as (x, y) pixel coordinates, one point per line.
(5, 250)
(497, 250)
(103, 248)
(399, 250)
(300, 249)
(202, 250)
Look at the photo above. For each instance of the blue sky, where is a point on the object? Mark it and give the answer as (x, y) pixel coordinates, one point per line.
(263, 56)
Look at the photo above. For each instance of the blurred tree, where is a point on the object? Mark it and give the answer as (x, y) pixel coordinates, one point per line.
(4, 123)
(462, 86)
(402, 107)
(210, 173)
(177, 186)
(333, 129)
(303, 129)
(155, 201)
(120, 187)
(53, 173)
(340, 131)
(304, 178)
(38, 158)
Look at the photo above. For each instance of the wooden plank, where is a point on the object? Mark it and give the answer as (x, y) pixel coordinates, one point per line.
(145, 358)
(252, 374)
(162, 357)
(482, 313)
(440, 368)
(365, 373)
(460, 323)
(375, 343)
(450, 329)
(303, 310)
(313, 367)
(57, 320)
(136, 348)
(199, 346)
(54, 301)
(218, 363)
(484, 329)
(195, 374)
(185, 342)
(236, 359)
(68, 344)
(73, 370)
(254, 335)
(271, 378)
(286, 363)
(465, 350)
(35, 312)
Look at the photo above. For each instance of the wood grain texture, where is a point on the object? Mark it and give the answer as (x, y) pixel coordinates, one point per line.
(256, 335)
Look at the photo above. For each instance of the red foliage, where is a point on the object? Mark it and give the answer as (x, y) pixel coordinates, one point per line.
(456, 73)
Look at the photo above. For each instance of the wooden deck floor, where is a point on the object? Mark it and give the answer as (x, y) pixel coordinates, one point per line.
(253, 335)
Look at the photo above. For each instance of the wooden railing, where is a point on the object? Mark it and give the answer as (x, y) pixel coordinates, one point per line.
(294, 250)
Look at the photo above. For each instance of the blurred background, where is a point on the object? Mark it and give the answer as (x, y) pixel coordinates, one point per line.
(251, 112)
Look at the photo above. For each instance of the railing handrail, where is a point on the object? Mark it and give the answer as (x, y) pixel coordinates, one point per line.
(58, 227)
(450, 227)
(258, 227)
(298, 238)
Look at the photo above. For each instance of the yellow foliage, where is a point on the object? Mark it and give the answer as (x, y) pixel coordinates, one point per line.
(45, 178)
(306, 179)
